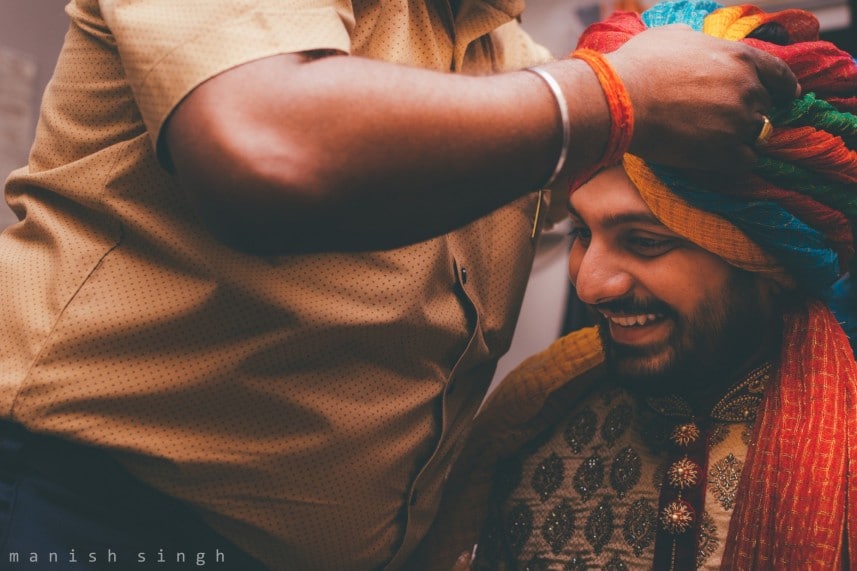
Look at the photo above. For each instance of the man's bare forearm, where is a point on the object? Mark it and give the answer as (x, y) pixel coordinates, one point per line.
(277, 152)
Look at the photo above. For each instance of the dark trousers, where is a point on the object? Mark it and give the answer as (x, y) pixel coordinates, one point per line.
(66, 506)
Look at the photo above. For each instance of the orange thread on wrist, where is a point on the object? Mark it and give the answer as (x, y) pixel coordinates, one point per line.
(619, 105)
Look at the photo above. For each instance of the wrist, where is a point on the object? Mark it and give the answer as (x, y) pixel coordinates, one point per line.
(620, 109)
(589, 118)
(564, 121)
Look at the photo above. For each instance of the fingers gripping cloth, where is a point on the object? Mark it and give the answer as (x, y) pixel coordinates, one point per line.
(800, 205)
(792, 220)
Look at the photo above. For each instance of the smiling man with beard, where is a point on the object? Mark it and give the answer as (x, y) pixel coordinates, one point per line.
(709, 419)
(673, 317)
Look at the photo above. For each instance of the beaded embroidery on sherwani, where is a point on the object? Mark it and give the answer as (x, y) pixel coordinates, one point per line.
(587, 494)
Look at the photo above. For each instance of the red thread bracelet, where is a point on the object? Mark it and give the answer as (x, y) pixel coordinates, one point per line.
(619, 104)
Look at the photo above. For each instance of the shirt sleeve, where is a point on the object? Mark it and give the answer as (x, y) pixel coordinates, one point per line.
(517, 49)
(168, 47)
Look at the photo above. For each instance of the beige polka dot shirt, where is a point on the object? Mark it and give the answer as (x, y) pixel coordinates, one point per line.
(308, 406)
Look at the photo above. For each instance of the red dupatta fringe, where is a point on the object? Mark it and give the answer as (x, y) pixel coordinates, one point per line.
(792, 509)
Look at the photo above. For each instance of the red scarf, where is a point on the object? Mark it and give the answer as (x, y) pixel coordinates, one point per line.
(792, 510)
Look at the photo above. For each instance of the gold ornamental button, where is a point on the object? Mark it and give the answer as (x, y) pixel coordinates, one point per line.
(684, 474)
(685, 434)
(677, 517)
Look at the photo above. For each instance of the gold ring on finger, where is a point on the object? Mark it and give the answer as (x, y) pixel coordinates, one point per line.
(765, 133)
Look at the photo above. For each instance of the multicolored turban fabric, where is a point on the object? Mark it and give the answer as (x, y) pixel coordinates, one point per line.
(792, 219)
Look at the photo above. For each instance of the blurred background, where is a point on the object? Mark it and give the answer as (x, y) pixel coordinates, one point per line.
(32, 31)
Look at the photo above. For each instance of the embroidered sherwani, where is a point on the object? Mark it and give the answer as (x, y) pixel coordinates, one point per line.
(563, 470)
(607, 487)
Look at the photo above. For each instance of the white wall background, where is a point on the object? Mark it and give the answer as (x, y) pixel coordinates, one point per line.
(32, 31)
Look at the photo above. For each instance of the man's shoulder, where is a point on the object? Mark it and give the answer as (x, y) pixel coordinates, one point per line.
(562, 361)
(565, 368)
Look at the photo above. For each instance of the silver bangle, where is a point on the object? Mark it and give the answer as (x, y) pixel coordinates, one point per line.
(563, 114)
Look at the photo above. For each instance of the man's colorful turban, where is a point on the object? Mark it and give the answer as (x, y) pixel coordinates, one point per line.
(794, 217)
